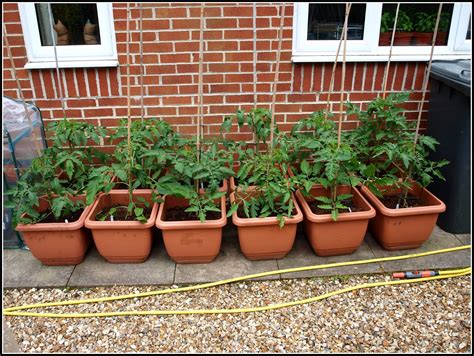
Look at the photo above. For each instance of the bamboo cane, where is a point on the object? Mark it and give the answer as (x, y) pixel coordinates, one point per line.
(427, 74)
(341, 115)
(385, 79)
(277, 69)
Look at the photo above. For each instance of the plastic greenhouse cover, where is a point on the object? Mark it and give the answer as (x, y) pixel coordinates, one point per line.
(15, 119)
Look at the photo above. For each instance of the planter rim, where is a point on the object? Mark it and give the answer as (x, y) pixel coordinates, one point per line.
(268, 220)
(58, 226)
(420, 210)
(108, 225)
(322, 218)
(190, 224)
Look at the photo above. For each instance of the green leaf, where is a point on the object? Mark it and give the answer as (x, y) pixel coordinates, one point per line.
(138, 212)
(232, 209)
(305, 167)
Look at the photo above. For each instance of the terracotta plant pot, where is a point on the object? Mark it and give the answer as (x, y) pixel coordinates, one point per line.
(385, 38)
(405, 228)
(58, 244)
(122, 241)
(191, 241)
(441, 39)
(262, 238)
(332, 238)
(402, 38)
(423, 38)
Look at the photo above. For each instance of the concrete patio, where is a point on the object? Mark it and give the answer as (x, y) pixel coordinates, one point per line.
(21, 269)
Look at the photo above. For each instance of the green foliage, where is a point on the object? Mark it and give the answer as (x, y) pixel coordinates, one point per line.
(425, 22)
(384, 143)
(404, 23)
(59, 174)
(330, 164)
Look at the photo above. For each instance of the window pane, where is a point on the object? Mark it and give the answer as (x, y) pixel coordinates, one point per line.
(74, 24)
(415, 24)
(326, 21)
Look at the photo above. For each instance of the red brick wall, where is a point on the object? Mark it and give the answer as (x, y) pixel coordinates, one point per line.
(170, 55)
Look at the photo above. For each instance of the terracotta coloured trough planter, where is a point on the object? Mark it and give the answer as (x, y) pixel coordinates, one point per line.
(405, 228)
(191, 241)
(58, 244)
(122, 241)
(332, 238)
(262, 238)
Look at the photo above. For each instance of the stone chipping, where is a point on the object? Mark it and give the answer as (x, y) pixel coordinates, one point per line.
(424, 317)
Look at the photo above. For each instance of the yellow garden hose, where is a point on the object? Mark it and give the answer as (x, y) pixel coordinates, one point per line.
(14, 311)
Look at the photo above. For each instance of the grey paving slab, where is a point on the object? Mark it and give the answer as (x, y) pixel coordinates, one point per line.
(9, 344)
(464, 238)
(158, 269)
(303, 255)
(229, 263)
(439, 239)
(22, 269)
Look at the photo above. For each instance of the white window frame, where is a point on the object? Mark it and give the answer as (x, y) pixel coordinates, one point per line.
(71, 56)
(368, 50)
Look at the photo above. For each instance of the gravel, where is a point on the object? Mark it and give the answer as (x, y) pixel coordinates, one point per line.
(425, 317)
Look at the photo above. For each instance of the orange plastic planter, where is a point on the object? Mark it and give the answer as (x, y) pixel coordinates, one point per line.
(262, 238)
(122, 241)
(58, 244)
(332, 238)
(191, 241)
(406, 228)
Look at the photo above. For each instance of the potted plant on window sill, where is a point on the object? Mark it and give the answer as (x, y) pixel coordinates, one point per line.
(49, 201)
(193, 213)
(406, 212)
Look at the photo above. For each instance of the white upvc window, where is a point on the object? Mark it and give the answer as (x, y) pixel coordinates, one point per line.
(317, 28)
(84, 35)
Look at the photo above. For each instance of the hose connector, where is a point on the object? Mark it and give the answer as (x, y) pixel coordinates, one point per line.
(415, 274)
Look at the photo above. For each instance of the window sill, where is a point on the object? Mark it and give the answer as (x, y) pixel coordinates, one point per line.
(72, 64)
(302, 58)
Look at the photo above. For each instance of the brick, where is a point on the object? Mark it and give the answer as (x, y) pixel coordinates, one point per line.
(177, 100)
(213, 99)
(208, 11)
(93, 85)
(213, 78)
(162, 90)
(158, 111)
(174, 36)
(239, 57)
(81, 82)
(177, 79)
(223, 67)
(222, 46)
(213, 57)
(46, 104)
(187, 23)
(409, 75)
(160, 69)
(369, 76)
(267, 34)
(359, 71)
(225, 88)
(245, 23)
(157, 47)
(267, 10)
(80, 103)
(186, 47)
(104, 89)
(10, 7)
(36, 84)
(239, 98)
(238, 78)
(362, 96)
(297, 73)
(156, 24)
(171, 12)
(238, 11)
(175, 58)
(224, 23)
(13, 28)
(98, 112)
(238, 34)
(190, 89)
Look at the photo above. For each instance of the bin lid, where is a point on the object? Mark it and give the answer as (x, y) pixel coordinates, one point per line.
(456, 74)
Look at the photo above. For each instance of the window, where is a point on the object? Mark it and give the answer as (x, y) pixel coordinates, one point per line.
(83, 32)
(317, 28)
